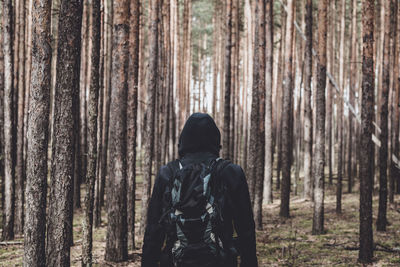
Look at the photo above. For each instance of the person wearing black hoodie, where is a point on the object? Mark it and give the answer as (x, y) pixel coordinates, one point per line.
(200, 141)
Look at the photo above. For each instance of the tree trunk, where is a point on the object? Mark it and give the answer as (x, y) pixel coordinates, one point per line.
(228, 69)
(268, 101)
(287, 131)
(132, 115)
(117, 235)
(367, 155)
(20, 168)
(92, 132)
(307, 104)
(260, 126)
(9, 141)
(66, 96)
(383, 150)
(340, 123)
(150, 111)
(39, 106)
(319, 162)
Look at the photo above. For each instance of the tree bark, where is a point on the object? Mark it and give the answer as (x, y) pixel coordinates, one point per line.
(260, 125)
(383, 150)
(228, 69)
(366, 154)
(307, 104)
(20, 167)
(9, 140)
(117, 234)
(38, 122)
(319, 162)
(132, 115)
(150, 112)
(287, 131)
(92, 132)
(60, 211)
(269, 33)
(340, 123)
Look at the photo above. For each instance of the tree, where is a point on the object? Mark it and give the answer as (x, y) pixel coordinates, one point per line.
(259, 126)
(19, 165)
(307, 104)
(92, 132)
(117, 246)
(9, 140)
(319, 154)
(132, 114)
(150, 111)
(366, 154)
(340, 123)
(269, 37)
(383, 150)
(60, 210)
(287, 112)
(38, 122)
(228, 69)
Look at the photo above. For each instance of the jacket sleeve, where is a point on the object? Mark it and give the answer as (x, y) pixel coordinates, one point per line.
(154, 234)
(243, 217)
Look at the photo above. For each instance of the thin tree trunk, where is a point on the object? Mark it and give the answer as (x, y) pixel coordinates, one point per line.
(9, 140)
(92, 132)
(150, 112)
(319, 162)
(307, 104)
(287, 131)
(383, 150)
(20, 168)
(227, 96)
(268, 101)
(117, 232)
(132, 115)
(260, 126)
(39, 106)
(367, 155)
(340, 123)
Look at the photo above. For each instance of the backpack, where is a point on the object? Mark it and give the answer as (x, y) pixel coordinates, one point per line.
(193, 218)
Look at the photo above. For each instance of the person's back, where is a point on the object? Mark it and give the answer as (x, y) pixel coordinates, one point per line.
(199, 145)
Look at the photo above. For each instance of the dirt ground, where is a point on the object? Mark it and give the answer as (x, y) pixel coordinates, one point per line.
(281, 243)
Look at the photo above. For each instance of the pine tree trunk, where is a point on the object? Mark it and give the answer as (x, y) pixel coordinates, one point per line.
(319, 159)
(150, 112)
(307, 104)
(366, 154)
(9, 140)
(117, 232)
(66, 96)
(287, 131)
(228, 69)
(260, 126)
(36, 167)
(394, 173)
(93, 102)
(268, 102)
(340, 123)
(132, 115)
(20, 168)
(383, 150)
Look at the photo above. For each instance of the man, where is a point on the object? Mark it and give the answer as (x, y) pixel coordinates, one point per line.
(222, 203)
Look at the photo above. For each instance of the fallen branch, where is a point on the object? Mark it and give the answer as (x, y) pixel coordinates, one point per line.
(7, 243)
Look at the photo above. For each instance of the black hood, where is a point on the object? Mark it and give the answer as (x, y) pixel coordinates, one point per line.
(200, 134)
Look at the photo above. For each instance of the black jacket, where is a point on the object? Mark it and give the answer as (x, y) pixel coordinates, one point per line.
(237, 213)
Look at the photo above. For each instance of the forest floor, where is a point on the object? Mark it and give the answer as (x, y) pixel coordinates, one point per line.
(281, 243)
